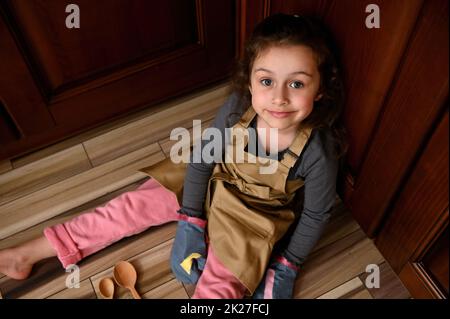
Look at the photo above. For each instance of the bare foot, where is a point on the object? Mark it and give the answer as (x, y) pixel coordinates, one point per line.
(13, 264)
(17, 262)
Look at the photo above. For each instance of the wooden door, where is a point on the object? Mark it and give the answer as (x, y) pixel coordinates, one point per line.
(396, 79)
(415, 237)
(125, 55)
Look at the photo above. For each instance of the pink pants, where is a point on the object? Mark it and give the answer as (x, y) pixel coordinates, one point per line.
(129, 214)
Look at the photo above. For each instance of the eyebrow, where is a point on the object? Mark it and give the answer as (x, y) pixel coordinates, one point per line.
(297, 72)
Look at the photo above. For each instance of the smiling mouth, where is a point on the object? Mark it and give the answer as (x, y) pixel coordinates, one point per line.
(280, 114)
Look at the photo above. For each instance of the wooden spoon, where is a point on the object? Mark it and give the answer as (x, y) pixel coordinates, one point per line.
(106, 288)
(126, 276)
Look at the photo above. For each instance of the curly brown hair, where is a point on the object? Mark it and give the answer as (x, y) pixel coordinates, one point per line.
(284, 29)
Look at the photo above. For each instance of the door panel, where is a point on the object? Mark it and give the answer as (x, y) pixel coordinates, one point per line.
(8, 131)
(129, 31)
(409, 115)
(413, 238)
(22, 102)
(126, 55)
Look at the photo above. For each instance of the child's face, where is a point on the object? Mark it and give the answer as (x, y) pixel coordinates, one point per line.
(284, 84)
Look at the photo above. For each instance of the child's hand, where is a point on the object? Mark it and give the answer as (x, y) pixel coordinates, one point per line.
(188, 255)
(278, 282)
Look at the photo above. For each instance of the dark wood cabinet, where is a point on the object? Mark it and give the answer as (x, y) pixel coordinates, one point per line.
(126, 55)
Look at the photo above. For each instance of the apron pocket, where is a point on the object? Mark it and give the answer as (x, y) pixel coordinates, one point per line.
(255, 222)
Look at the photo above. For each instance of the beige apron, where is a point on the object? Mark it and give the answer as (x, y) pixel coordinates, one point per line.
(247, 212)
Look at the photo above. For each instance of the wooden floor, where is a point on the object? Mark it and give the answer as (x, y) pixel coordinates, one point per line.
(64, 180)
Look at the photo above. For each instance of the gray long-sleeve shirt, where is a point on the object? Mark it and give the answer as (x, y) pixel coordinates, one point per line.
(316, 166)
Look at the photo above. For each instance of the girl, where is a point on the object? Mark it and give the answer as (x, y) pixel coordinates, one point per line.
(231, 218)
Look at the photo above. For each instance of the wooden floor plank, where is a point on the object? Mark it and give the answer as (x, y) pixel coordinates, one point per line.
(343, 289)
(190, 289)
(166, 143)
(361, 294)
(84, 291)
(140, 133)
(45, 172)
(335, 264)
(77, 190)
(391, 286)
(152, 267)
(5, 166)
(340, 225)
(172, 289)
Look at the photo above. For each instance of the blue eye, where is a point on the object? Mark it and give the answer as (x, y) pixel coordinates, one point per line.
(296, 85)
(266, 82)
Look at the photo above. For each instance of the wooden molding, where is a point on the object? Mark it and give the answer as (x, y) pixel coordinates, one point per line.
(200, 22)
(430, 238)
(249, 13)
(74, 89)
(419, 284)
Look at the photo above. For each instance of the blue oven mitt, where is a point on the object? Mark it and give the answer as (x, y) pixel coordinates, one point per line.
(278, 282)
(188, 256)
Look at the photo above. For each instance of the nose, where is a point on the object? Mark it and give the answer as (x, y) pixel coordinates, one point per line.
(279, 96)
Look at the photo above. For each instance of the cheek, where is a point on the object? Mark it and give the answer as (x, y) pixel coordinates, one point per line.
(256, 101)
(305, 105)
(258, 94)
(305, 100)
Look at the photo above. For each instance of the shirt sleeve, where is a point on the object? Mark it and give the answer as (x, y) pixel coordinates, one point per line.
(198, 174)
(319, 168)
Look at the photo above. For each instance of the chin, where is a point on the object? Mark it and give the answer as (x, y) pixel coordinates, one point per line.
(280, 125)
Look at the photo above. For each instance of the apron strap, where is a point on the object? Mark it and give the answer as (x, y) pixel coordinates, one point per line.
(247, 118)
(293, 152)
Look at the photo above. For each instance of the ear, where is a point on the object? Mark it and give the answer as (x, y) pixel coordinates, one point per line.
(250, 89)
(318, 97)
